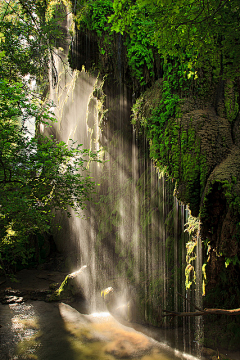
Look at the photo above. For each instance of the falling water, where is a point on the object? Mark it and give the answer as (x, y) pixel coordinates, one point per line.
(132, 237)
(199, 321)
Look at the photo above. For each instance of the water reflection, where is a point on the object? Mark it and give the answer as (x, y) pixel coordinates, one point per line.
(46, 331)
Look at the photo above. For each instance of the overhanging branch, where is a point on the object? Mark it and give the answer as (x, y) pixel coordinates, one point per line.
(203, 312)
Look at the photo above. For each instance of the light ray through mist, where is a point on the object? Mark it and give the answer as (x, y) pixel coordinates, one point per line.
(131, 235)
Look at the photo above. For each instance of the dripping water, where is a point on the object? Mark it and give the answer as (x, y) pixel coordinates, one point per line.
(135, 225)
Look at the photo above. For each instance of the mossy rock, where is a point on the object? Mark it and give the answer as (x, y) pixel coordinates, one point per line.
(191, 144)
(198, 146)
(69, 288)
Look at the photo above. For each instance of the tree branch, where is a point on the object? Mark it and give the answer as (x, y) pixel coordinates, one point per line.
(25, 7)
(5, 11)
(204, 312)
(11, 181)
(204, 19)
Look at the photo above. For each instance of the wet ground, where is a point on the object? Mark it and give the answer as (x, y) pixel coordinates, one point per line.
(49, 331)
(32, 280)
(33, 329)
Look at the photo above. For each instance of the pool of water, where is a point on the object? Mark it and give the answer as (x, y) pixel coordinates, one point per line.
(53, 331)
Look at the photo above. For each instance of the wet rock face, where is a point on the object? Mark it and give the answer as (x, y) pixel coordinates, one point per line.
(204, 142)
(201, 151)
(215, 174)
(220, 226)
(220, 217)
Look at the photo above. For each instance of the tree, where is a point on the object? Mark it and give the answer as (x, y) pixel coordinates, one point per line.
(38, 175)
(196, 30)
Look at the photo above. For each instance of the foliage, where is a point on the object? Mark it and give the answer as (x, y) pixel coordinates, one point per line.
(162, 113)
(194, 41)
(139, 52)
(38, 175)
(156, 121)
(31, 30)
(95, 16)
(203, 30)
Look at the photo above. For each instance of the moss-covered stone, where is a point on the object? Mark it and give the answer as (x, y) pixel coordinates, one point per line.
(200, 151)
(69, 288)
(231, 101)
(191, 144)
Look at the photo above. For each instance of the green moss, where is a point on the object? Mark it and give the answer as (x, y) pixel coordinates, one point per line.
(139, 52)
(231, 101)
(174, 144)
(66, 289)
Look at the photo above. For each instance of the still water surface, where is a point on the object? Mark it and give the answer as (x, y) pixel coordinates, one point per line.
(46, 331)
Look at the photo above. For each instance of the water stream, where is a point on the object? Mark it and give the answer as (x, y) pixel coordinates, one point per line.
(44, 331)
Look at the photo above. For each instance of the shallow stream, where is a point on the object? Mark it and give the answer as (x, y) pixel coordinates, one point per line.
(52, 331)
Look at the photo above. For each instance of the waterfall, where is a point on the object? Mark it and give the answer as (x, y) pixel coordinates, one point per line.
(132, 236)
